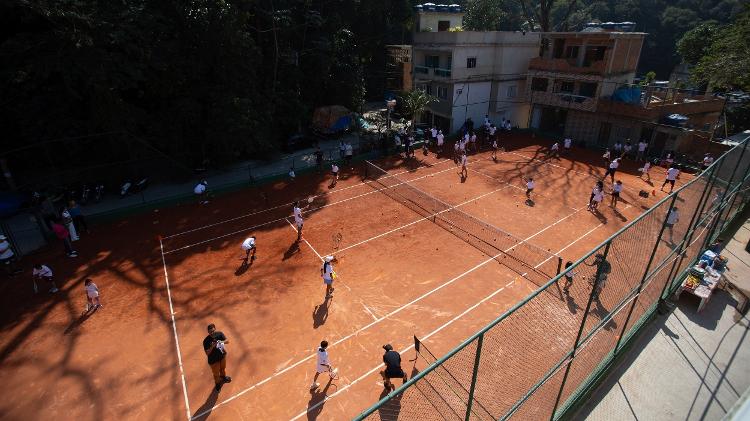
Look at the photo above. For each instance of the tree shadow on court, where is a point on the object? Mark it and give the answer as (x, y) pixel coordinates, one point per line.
(204, 411)
(320, 313)
(317, 401)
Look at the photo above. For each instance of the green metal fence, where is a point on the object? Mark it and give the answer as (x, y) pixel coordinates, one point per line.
(538, 358)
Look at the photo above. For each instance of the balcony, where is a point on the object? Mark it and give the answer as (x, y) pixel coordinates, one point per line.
(434, 71)
(564, 99)
(564, 65)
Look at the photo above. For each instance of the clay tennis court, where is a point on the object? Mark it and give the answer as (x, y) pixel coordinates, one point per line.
(165, 275)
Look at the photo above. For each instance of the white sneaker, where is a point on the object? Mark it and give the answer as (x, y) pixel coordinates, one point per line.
(314, 385)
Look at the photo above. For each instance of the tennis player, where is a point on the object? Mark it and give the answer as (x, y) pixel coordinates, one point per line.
(328, 275)
(645, 169)
(298, 221)
(323, 365)
(567, 142)
(43, 272)
(598, 197)
(464, 162)
(554, 151)
(616, 190)
(569, 274)
(335, 172)
(529, 187)
(92, 295)
(440, 141)
(599, 186)
(201, 191)
(393, 370)
(672, 174)
(249, 245)
(494, 149)
(612, 169)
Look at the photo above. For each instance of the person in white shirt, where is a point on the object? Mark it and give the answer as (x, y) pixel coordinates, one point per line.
(335, 173)
(641, 150)
(486, 120)
(618, 149)
(464, 161)
(201, 190)
(249, 245)
(612, 169)
(606, 157)
(349, 153)
(7, 257)
(597, 188)
(567, 143)
(645, 170)
(323, 365)
(298, 221)
(473, 142)
(707, 161)
(529, 187)
(494, 149)
(440, 141)
(292, 175)
(328, 275)
(672, 174)
(44, 273)
(598, 197)
(493, 130)
(668, 161)
(554, 151)
(616, 190)
(673, 217)
(433, 134)
(626, 150)
(92, 295)
(457, 151)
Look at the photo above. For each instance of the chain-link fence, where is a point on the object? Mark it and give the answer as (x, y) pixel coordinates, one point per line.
(539, 357)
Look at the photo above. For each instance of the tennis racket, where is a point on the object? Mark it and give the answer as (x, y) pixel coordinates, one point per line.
(333, 373)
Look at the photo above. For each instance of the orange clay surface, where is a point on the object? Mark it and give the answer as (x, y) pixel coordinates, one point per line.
(399, 275)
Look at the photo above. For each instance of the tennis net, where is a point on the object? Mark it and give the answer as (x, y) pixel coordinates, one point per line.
(531, 262)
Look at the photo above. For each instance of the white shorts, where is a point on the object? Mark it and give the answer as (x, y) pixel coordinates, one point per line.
(321, 368)
(328, 281)
(92, 295)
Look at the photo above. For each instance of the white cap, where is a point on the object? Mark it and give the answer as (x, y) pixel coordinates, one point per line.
(328, 258)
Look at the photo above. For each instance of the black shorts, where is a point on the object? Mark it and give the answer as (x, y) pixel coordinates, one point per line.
(394, 373)
(615, 194)
(335, 173)
(670, 182)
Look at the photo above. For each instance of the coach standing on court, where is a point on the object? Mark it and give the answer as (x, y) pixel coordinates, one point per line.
(213, 344)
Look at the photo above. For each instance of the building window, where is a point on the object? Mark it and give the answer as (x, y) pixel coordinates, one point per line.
(539, 84)
(428, 89)
(443, 25)
(511, 92)
(564, 86)
(571, 51)
(471, 62)
(442, 92)
(432, 61)
(588, 89)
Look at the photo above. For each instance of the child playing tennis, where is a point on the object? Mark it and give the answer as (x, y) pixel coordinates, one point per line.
(616, 190)
(328, 275)
(464, 161)
(569, 274)
(92, 295)
(644, 171)
(249, 245)
(529, 187)
(298, 221)
(494, 149)
(335, 173)
(323, 365)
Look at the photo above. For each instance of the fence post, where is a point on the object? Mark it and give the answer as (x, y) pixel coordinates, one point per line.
(580, 330)
(723, 196)
(480, 340)
(648, 267)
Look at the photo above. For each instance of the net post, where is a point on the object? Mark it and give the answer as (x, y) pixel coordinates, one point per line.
(417, 344)
(645, 272)
(597, 277)
(559, 265)
(474, 374)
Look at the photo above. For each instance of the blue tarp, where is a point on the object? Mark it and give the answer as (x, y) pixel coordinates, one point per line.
(630, 95)
(342, 123)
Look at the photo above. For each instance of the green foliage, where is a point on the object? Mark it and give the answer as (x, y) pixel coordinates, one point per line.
(738, 118)
(726, 65)
(415, 102)
(484, 15)
(695, 43)
(648, 78)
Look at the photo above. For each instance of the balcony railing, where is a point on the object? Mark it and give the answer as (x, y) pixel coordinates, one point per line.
(567, 66)
(436, 71)
(442, 72)
(421, 69)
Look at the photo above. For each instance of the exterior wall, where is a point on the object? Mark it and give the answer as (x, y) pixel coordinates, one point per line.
(513, 108)
(430, 20)
(470, 100)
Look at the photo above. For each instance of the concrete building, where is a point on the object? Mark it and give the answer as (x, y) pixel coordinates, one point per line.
(473, 74)
(398, 68)
(438, 18)
(580, 85)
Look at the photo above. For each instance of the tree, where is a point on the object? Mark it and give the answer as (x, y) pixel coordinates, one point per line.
(727, 63)
(484, 15)
(414, 103)
(696, 42)
(538, 14)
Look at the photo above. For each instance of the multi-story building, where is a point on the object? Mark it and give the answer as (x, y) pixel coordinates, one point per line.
(580, 85)
(473, 74)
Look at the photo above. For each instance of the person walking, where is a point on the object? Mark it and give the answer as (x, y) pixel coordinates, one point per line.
(597, 199)
(529, 187)
(64, 236)
(494, 149)
(392, 370)
(215, 347)
(599, 186)
(606, 158)
(92, 295)
(298, 221)
(8, 257)
(67, 220)
(707, 161)
(645, 170)
(673, 217)
(43, 273)
(612, 169)
(328, 275)
(249, 245)
(201, 192)
(617, 148)
(569, 275)
(78, 219)
(440, 141)
(554, 151)
(433, 135)
(567, 143)
(603, 269)
(672, 174)
(616, 190)
(464, 162)
(335, 174)
(323, 365)
(626, 150)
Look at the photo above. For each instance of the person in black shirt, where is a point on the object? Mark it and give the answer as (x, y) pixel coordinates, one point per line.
(393, 370)
(213, 344)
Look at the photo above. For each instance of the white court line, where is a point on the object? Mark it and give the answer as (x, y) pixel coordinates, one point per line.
(306, 242)
(285, 205)
(418, 220)
(368, 311)
(358, 331)
(408, 348)
(174, 330)
(285, 218)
